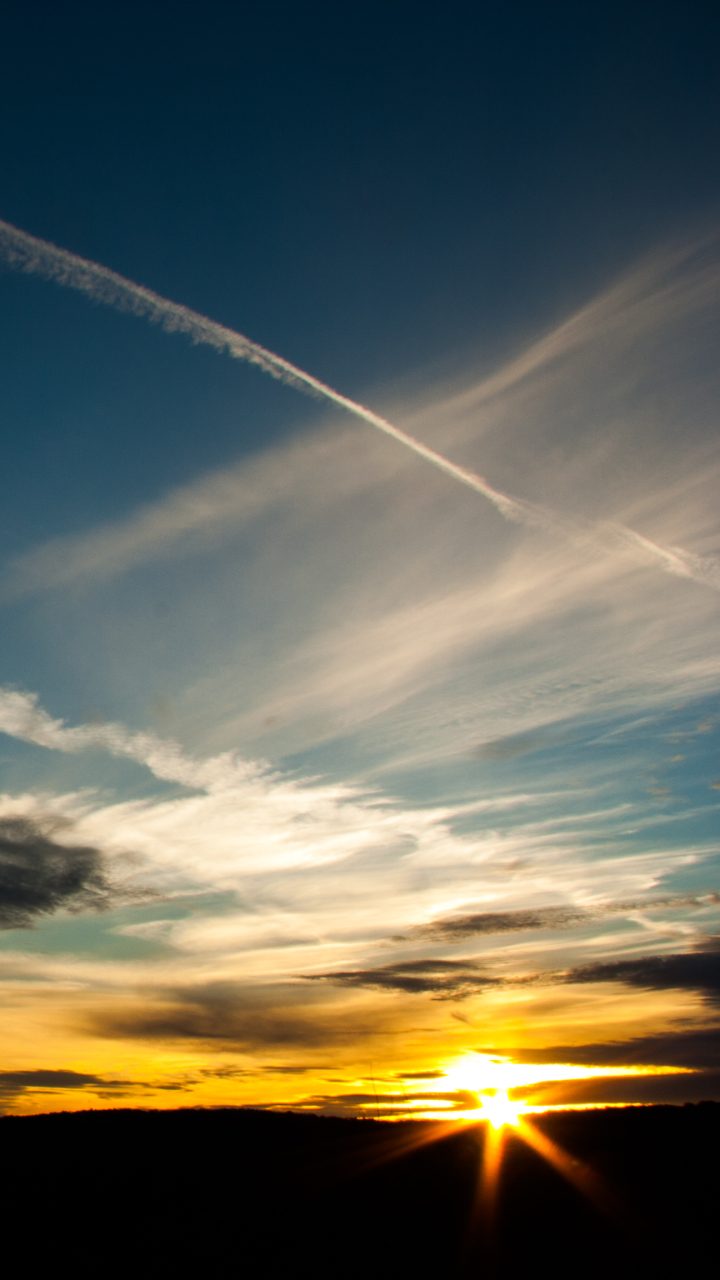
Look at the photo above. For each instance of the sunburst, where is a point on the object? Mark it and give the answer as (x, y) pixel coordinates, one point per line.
(499, 1110)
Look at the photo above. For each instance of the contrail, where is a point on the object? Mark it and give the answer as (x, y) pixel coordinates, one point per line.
(27, 253)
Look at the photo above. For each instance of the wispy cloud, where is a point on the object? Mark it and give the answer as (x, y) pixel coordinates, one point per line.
(243, 817)
(454, 929)
(238, 1015)
(660, 1089)
(49, 1081)
(377, 599)
(478, 822)
(38, 257)
(681, 1047)
(443, 979)
(237, 824)
(698, 970)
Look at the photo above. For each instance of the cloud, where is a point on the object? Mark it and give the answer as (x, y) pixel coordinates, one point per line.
(337, 593)
(459, 979)
(21, 717)
(697, 1049)
(15, 1083)
(697, 971)
(511, 748)
(38, 257)
(239, 1015)
(420, 1075)
(455, 928)
(371, 589)
(443, 979)
(27, 253)
(381, 1104)
(244, 819)
(703, 1086)
(635, 304)
(196, 516)
(39, 876)
(280, 878)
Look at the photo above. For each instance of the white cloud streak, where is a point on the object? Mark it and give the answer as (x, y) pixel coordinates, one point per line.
(34, 256)
(324, 874)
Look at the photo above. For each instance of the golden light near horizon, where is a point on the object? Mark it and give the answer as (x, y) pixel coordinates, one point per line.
(500, 1110)
(481, 1072)
(491, 1081)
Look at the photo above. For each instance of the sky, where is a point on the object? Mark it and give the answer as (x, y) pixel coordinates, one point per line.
(359, 723)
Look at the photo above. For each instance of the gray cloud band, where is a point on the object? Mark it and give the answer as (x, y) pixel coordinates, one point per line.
(454, 928)
(685, 1047)
(697, 970)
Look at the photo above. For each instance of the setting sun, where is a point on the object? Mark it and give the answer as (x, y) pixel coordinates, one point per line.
(499, 1110)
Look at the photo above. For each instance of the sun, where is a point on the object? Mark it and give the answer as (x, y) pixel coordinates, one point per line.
(499, 1110)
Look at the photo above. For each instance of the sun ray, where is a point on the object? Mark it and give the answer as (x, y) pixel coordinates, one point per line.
(577, 1172)
(491, 1161)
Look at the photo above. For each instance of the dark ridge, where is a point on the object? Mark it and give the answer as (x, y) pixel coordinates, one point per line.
(285, 1194)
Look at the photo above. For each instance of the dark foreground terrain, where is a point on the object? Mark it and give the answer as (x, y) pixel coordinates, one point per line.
(257, 1193)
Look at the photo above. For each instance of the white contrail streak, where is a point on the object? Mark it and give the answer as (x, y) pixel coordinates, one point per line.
(27, 253)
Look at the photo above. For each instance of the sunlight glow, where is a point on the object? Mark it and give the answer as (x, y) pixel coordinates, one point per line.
(499, 1110)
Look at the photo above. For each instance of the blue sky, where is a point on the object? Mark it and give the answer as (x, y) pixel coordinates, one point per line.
(312, 760)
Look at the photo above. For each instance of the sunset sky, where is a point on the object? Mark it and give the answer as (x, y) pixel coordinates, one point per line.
(330, 781)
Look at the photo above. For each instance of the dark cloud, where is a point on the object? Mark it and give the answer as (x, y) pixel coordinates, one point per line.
(698, 1049)
(15, 1083)
(306, 1015)
(239, 1016)
(454, 928)
(226, 1073)
(676, 901)
(457, 927)
(460, 1099)
(703, 1086)
(38, 876)
(420, 1075)
(512, 747)
(302, 1015)
(457, 979)
(294, 1071)
(443, 979)
(696, 970)
(390, 1104)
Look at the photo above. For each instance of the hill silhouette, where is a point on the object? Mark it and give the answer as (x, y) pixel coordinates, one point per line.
(286, 1194)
